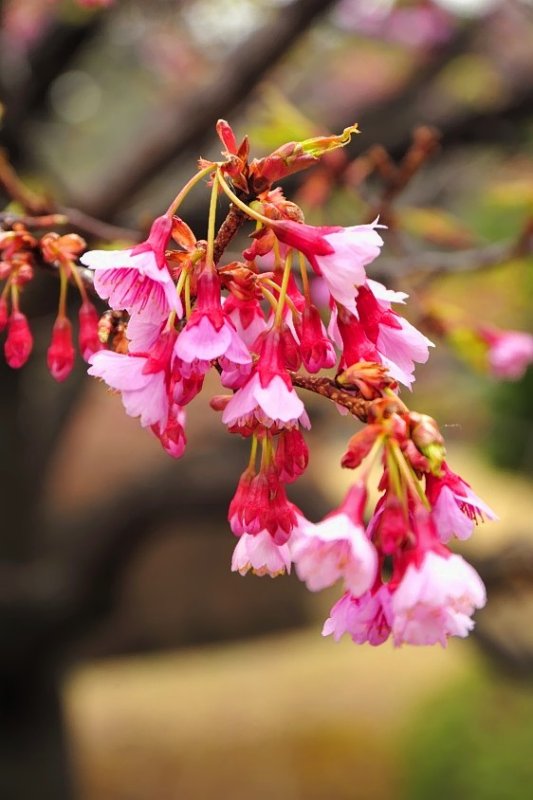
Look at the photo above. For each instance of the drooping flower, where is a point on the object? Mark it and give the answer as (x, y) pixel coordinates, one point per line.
(172, 437)
(268, 395)
(435, 599)
(209, 334)
(292, 455)
(247, 317)
(455, 507)
(137, 279)
(378, 334)
(339, 254)
(366, 619)
(260, 503)
(316, 349)
(337, 548)
(260, 554)
(141, 378)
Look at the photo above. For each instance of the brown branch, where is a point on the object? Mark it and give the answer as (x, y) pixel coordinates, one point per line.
(227, 230)
(326, 387)
(432, 264)
(32, 203)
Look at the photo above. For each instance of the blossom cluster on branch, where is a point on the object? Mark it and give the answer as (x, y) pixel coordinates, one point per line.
(257, 321)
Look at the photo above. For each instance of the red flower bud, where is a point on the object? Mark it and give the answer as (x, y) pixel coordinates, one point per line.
(19, 342)
(292, 455)
(88, 339)
(60, 356)
(360, 446)
(3, 313)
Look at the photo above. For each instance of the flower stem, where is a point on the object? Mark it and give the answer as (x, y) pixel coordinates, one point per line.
(277, 287)
(270, 297)
(188, 305)
(305, 277)
(283, 291)
(239, 203)
(78, 281)
(209, 259)
(191, 183)
(253, 453)
(63, 289)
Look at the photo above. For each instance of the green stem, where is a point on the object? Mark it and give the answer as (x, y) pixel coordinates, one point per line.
(63, 289)
(239, 203)
(283, 291)
(211, 225)
(305, 277)
(191, 183)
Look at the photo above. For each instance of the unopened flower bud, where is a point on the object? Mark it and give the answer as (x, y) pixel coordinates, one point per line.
(370, 379)
(3, 313)
(360, 446)
(88, 339)
(428, 439)
(19, 342)
(60, 356)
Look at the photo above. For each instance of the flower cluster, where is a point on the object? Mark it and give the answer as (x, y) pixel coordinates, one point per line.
(20, 252)
(255, 322)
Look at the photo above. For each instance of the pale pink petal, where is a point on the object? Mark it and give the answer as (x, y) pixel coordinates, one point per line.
(260, 554)
(278, 402)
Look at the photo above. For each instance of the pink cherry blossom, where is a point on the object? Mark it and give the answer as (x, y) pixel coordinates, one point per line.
(172, 437)
(268, 395)
(340, 255)
(209, 333)
(337, 548)
(247, 317)
(366, 619)
(436, 599)
(510, 352)
(377, 334)
(137, 279)
(456, 507)
(260, 554)
(141, 378)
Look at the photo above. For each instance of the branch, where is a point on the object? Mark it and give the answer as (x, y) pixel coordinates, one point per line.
(432, 264)
(326, 387)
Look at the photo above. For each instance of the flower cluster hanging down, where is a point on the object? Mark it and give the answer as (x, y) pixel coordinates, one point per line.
(190, 312)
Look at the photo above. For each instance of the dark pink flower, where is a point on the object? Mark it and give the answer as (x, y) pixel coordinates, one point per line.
(317, 351)
(88, 340)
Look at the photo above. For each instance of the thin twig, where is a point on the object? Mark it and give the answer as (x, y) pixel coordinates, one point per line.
(326, 387)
